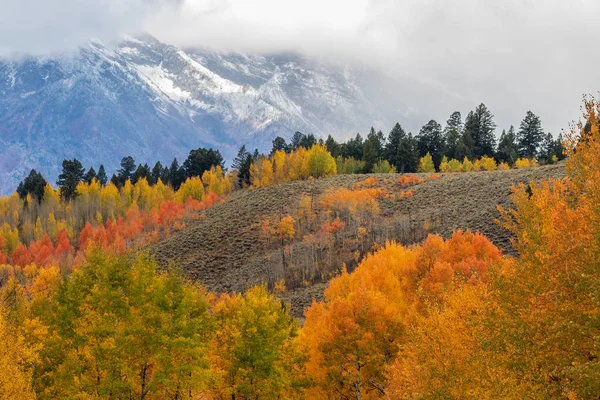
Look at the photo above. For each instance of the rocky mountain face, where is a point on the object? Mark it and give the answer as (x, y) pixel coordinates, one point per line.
(154, 102)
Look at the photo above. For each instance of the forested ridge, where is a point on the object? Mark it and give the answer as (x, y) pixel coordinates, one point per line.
(91, 316)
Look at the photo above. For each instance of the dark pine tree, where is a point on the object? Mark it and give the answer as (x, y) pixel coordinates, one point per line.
(156, 174)
(370, 155)
(34, 184)
(126, 170)
(392, 147)
(176, 174)
(201, 160)
(530, 135)
(72, 173)
(453, 137)
(333, 147)
(242, 162)
(296, 140)
(101, 175)
(480, 127)
(408, 154)
(90, 175)
(279, 144)
(308, 141)
(142, 171)
(508, 151)
(431, 140)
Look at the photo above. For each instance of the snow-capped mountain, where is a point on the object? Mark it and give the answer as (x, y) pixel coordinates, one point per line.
(154, 102)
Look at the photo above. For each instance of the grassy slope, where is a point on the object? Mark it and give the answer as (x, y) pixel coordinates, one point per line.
(224, 249)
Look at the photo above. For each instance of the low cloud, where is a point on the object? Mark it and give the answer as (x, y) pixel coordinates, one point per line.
(513, 55)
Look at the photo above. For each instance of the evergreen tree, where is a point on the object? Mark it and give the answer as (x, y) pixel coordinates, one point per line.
(370, 154)
(308, 141)
(353, 148)
(156, 174)
(454, 145)
(559, 150)
(480, 126)
(530, 135)
(392, 147)
(408, 155)
(72, 173)
(34, 184)
(296, 140)
(431, 141)
(101, 176)
(142, 171)
(176, 174)
(279, 144)
(333, 147)
(126, 170)
(508, 150)
(201, 160)
(90, 175)
(242, 163)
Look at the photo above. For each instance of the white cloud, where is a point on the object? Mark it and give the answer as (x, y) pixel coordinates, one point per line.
(514, 55)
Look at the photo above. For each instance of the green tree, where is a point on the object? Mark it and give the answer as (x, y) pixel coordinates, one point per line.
(431, 141)
(90, 175)
(279, 144)
(392, 147)
(126, 171)
(72, 173)
(480, 127)
(242, 163)
(101, 175)
(530, 135)
(333, 147)
(201, 160)
(34, 184)
(508, 151)
(176, 174)
(156, 174)
(453, 137)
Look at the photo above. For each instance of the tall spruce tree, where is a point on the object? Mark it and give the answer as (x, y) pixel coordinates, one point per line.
(90, 175)
(127, 169)
(176, 174)
(279, 144)
(480, 127)
(333, 147)
(101, 176)
(34, 185)
(408, 154)
(72, 173)
(242, 162)
(454, 145)
(530, 135)
(431, 140)
(156, 174)
(508, 151)
(392, 147)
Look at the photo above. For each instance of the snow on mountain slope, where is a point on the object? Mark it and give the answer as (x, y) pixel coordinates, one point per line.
(155, 102)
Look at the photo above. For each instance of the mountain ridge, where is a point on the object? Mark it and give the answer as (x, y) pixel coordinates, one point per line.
(155, 101)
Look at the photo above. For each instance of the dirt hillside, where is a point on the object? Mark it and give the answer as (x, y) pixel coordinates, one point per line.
(225, 250)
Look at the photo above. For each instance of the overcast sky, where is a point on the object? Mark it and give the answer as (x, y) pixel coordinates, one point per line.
(513, 55)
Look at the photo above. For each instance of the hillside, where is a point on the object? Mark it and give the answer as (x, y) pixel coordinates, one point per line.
(225, 250)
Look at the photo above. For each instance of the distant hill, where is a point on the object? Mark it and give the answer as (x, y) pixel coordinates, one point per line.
(225, 250)
(154, 101)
